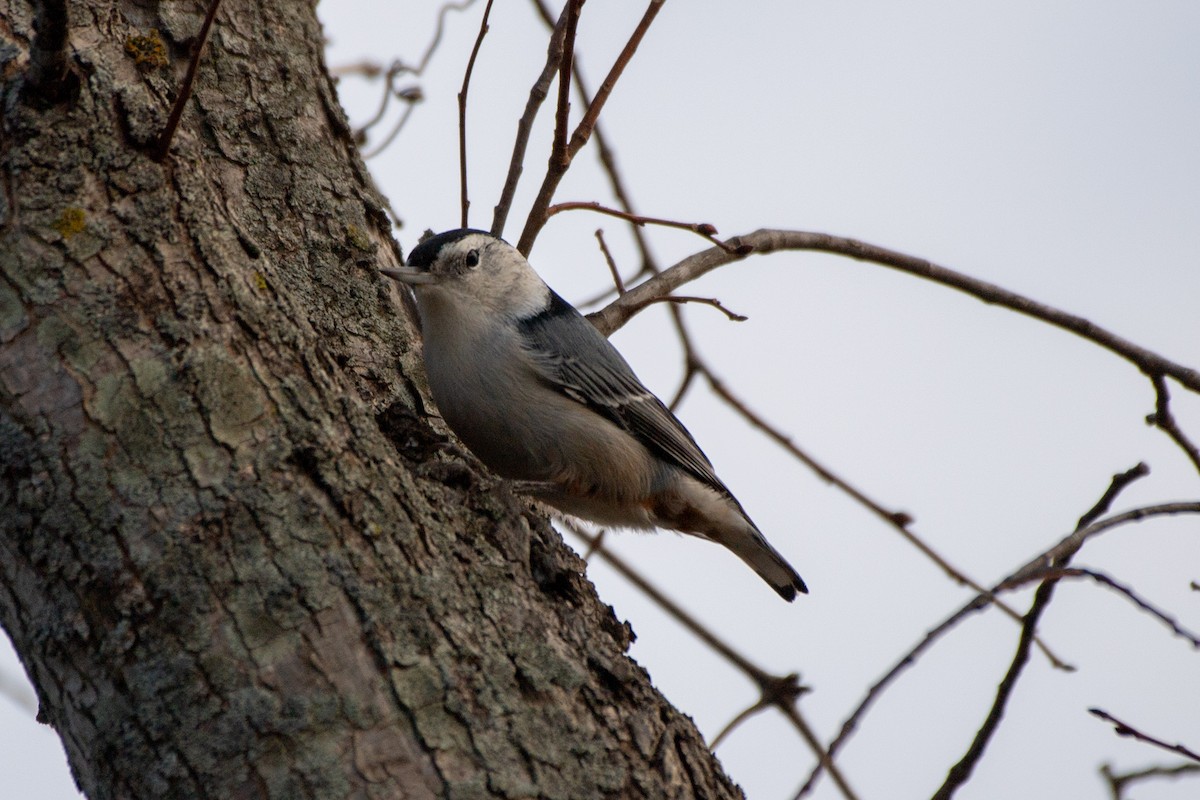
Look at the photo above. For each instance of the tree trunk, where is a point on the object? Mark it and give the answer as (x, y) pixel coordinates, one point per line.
(237, 557)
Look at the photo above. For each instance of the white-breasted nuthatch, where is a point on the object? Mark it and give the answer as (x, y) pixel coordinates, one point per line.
(542, 398)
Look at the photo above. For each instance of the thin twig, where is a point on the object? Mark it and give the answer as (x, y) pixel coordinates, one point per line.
(780, 691)
(1118, 781)
(960, 773)
(432, 47)
(726, 651)
(608, 160)
(583, 131)
(899, 520)
(709, 232)
(732, 725)
(392, 134)
(981, 601)
(462, 114)
(366, 68)
(1075, 540)
(537, 96)
(1124, 729)
(610, 261)
(185, 89)
(823, 757)
(1165, 421)
(850, 725)
(370, 70)
(560, 159)
(706, 301)
(1119, 483)
(411, 95)
(1132, 596)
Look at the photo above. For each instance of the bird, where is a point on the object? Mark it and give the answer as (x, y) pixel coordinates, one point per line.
(544, 400)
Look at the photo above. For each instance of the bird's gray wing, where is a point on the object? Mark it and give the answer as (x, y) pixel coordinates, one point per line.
(578, 361)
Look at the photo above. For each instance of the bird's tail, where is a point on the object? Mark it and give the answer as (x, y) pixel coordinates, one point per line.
(751, 546)
(700, 509)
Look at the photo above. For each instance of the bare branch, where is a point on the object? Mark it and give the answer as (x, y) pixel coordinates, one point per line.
(609, 165)
(560, 160)
(1104, 580)
(432, 47)
(704, 229)
(366, 68)
(1124, 729)
(537, 95)
(960, 773)
(689, 378)
(771, 241)
(1076, 539)
(411, 95)
(1118, 781)
(732, 725)
(899, 520)
(1165, 421)
(780, 691)
(707, 301)
(462, 114)
(981, 601)
(826, 761)
(850, 725)
(413, 98)
(1118, 484)
(610, 261)
(185, 89)
(584, 130)
(726, 651)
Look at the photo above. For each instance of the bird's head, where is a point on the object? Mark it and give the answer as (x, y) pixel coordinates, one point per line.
(467, 267)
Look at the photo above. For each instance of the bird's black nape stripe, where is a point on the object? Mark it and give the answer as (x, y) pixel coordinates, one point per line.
(557, 307)
(426, 252)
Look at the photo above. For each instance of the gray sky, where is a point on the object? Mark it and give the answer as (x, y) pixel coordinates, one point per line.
(1049, 148)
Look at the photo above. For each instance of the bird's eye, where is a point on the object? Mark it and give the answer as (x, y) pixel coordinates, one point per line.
(472, 259)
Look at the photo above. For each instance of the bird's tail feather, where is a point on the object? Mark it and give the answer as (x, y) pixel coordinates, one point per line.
(748, 544)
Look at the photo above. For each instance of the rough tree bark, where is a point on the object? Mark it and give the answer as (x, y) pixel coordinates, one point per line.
(237, 557)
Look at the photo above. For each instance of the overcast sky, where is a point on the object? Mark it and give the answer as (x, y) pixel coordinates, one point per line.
(1047, 147)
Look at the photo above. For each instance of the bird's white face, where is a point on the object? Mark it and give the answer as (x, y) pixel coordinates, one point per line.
(474, 269)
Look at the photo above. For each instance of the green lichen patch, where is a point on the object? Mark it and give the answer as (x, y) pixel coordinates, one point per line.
(71, 221)
(357, 238)
(147, 51)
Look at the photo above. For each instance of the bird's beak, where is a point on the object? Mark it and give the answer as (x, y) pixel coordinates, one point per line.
(410, 275)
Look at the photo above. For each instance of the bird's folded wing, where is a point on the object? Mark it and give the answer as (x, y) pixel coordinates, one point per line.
(579, 362)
